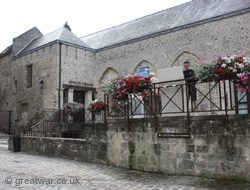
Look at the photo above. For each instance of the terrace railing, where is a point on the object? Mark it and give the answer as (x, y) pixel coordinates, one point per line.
(54, 123)
(179, 98)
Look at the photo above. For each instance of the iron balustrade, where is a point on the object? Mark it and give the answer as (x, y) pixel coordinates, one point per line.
(174, 98)
(53, 125)
(163, 99)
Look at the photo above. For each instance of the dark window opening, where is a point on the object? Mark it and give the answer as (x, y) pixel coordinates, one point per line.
(65, 96)
(29, 76)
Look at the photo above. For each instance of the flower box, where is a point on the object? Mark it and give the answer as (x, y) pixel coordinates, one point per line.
(73, 108)
(235, 67)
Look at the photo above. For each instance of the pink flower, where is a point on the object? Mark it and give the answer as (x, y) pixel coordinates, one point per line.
(245, 82)
(213, 60)
(235, 53)
(246, 64)
(243, 54)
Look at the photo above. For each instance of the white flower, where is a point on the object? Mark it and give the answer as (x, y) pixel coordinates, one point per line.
(230, 68)
(241, 65)
(245, 59)
(224, 58)
(223, 65)
(240, 74)
(234, 70)
(228, 60)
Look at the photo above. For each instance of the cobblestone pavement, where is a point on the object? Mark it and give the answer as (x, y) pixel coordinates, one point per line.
(19, 170)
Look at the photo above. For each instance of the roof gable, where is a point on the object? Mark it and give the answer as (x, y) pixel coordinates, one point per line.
(61, 35)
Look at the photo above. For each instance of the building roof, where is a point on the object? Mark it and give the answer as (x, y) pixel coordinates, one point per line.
(5, 52)
(191, 12)
(61, 35)
(176, 18)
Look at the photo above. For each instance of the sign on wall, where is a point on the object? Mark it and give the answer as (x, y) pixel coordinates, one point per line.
(144, 71)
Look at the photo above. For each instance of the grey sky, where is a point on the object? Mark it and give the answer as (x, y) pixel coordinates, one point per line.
(84, 17)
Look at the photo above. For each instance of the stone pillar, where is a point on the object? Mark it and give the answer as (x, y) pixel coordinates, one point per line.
(88, 98)
(70, 95)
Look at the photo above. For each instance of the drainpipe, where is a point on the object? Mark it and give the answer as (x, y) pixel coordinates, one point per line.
(60, 76)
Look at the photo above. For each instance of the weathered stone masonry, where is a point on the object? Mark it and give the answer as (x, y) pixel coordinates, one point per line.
(209, 152)
(195, 31)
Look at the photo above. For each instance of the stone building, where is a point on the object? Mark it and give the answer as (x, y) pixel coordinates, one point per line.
(44, 71)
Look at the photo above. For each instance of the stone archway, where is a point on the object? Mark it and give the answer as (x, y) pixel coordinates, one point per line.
(186, 56)
(107, 75)
(144, 64)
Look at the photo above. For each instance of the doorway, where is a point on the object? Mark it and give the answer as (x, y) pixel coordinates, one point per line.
(79, 96)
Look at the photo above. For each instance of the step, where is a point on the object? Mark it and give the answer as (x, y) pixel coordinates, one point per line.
(4, 136)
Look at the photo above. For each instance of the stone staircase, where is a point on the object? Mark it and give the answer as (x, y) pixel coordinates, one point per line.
(4, 140)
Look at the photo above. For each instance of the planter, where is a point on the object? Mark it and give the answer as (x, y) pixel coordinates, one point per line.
(207, 80)
(226, 77)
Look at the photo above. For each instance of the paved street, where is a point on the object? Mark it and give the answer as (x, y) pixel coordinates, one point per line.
(25, 171)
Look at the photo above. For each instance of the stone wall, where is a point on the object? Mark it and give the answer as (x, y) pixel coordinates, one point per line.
(24, 102)
(196, 43)
(92, 147)
(78, 67)
(209, 152)
(75, 149)
(21, 41)
(202, 42)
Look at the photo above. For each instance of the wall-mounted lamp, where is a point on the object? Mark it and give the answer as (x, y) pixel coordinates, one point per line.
(41, 84)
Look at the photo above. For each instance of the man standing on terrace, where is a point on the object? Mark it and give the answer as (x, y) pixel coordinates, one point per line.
(189, 75)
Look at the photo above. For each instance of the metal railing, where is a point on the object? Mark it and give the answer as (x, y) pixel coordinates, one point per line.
(53, 125)
(180, 98)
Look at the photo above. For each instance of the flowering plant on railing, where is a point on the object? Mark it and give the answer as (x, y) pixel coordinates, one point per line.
(205, 70)
(121, 87)
(73, 108)
(229, 67)
(96, 106)
(236, 67)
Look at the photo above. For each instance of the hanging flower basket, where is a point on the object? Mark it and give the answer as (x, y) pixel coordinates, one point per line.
(96, 106)
(122, 87)
(73, 108)
(235, 67)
